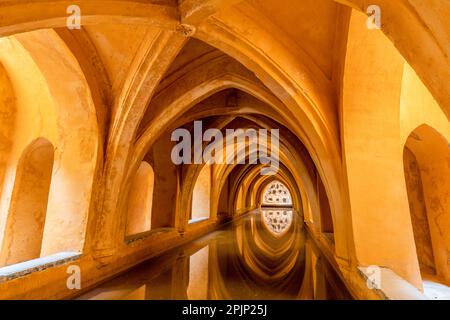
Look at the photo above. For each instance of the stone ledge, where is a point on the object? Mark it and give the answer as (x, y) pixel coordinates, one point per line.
(192, 221)
(147, 234)
(436, 290)
(24, 268)
(391, 286)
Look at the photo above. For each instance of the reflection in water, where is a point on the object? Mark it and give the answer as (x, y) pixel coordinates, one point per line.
(265, 255)
(278, 221)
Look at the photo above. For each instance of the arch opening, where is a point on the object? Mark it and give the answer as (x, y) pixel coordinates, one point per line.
(24, 230)
(140, 200)
(426, 156)
(201, 196)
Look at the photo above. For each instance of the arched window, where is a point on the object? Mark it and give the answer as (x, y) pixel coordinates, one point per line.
(26, 218)
(426, 159)
(140, 200)
(276, 194)
(201, 196)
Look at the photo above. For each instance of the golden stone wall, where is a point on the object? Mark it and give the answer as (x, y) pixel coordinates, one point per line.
(106, 96)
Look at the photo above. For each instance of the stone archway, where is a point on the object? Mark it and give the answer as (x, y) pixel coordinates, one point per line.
(26, 218)
(426, 157)
(140, 200)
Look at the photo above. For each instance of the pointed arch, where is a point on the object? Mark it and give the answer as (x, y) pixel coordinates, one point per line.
(24, 230)
(140, 200)
(426, 157)
(201, 196)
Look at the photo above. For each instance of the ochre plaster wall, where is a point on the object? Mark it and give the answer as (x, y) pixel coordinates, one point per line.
(107, 96)
(140, 200)
(373, 152)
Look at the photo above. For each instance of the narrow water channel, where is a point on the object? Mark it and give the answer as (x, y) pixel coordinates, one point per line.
(266, 254)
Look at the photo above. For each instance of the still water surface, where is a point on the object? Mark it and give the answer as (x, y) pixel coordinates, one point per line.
(264, 255)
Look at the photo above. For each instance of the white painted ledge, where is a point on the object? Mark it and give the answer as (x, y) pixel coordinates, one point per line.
(391, 286)
(21, 269)
(198, 220)
(436, 291)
